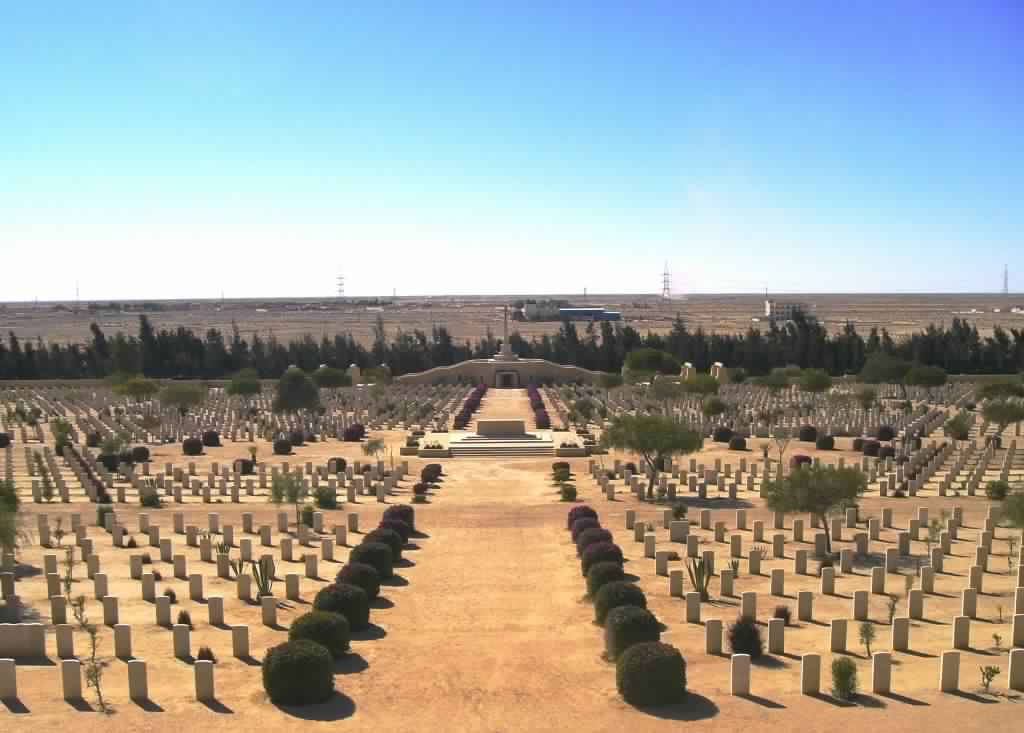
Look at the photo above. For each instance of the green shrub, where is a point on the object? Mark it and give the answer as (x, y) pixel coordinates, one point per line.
(298, 673)
(326, 497)
(192, 447)
(377, 555)
(844, 678)
(149, 498)
(205, 654)
(601, 574)
(600, 552)
(745, 637)
(388, 537)
(567, 492)
(307, 515)
(350, 601)
(401, 512)
(651, 673)
(362, 575)
(997, 490)
(324, 627)
(615, 594)
(628, 625)
(102, 510)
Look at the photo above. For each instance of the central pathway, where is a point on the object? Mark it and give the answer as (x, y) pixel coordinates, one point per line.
(504, 404)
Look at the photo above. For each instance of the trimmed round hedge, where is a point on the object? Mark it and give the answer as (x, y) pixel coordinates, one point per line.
(140, 454)
(403, 513)
(808, 433)
(376, 554)
(581, 525)
(871, 448)
(601, 574)
(600, 552)
(885, 433)
(297, 437)
(615, 594)
(628, 625)
(192, 447)
(799, 460)
(858, 444)
(362, 575)
(651, 673)
(579, 512)
(282, 447)
(298, 672)
(886, 451)
(324, 627)
(336, 465)
(590, 536)
(211, 439)
(737, 442)
(388, 537)
(348, 600)
(398, 526)
(722, 434)
(5, 440)
(825, 442)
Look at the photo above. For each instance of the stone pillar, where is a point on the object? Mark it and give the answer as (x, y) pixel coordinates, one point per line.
(215, 609)
(8, 680)
(1018, 630)
(163, 611)
(805, 605)
(148, 587)
(110, 613)
(1015, 678)
(754, 562)
(138, 687)
(182, 641)
(71, 679)
(675, 583)
(901, 634)
(268, 605)
(776, 636)
(240, 641)
(739, 679)
(810, 674)
(123, 641)
(860, 605)
(195, 587)
(949, 671)
(778, 582)
(204, 680)
(961, 632)
(969, 603)
(881, 673)
(748, 604)
(353, 522)
(828, 580)
(693, 607)
(713, 636)
(837, 637)
(915, 603)
(65, 641)
(243, 586)
(312, 571)
(726, 582)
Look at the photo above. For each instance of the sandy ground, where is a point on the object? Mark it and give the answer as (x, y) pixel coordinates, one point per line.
(488, 628)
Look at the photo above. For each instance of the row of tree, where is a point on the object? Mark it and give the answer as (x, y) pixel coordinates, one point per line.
(180, 352)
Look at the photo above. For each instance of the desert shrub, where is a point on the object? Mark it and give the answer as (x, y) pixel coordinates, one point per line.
(205, 654)
(92, 440)
(131, 544)
(600, 552)
(745, 637)
(325, 497)
(858, 444)
(169, 592)
(886, 451)
(784, 613)
(324, 627)
(808, 433)
(590, 536)
(581, 525)
(192, 447)
(397, 525)
(560, 466)
(799, 460)
(628, 625)
(184, 618)
(336, 465)
(376, 554)
(567, 492)
(651, 673)
(298, 672)
(388, 537)
(108, 461)
(722, 434)
(615, 594)
(245, 466)
(420, 489)
(885, 433)
(825, 442)
(579, 512)
(402, 513)
(350, 601)
(737, 442)
(282, 447)
(211, 439)
(997, 490)
(140, 454)
(602, 573)
(149, 498)
(157, 576)
(306, 515)
(362, 575)
(871, 448)
(102, 510)
(844, 678)
(353, 433)
(679, 510)
(431, 472)
(297, 438)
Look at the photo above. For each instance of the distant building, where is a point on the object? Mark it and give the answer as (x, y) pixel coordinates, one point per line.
(588, 314)
(782, 311)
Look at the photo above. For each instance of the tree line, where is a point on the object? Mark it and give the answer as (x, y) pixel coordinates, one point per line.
(182, 353)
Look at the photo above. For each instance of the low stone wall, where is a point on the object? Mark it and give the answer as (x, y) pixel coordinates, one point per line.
(22, 640)
(486, 371)
(500, 427)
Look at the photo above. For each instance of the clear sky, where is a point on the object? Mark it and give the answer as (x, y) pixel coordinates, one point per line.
(181, 149)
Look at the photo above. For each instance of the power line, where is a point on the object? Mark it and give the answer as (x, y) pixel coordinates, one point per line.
(1006, 280)
(341, 286)
(666, 283)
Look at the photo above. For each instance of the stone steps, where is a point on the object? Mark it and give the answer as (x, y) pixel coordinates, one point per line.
(480, 446)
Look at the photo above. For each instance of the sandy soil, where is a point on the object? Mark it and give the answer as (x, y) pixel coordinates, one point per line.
(488, 628)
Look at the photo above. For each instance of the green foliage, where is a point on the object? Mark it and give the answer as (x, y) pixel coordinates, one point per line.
(700, 576)
(1001, 390)
(997, 490)
(654, 437)
(1003, 413)
(331, 378)
(567, 492)
(614, 594)
(958, 427)
(776, 380)
(880, 368)
(149, 498)
(324, 627)
(296, 391)
(815, 380)
(866, 632)
(652, 360)
(602, 573)
(350, 601)
(263, 575)
(1012, 509)
(714, 406)
(628, 625)
(289, 488)
(745, 637)
(988, 673)
(182, 395)
(376, 554)
(325, 497)
(136, 387)
(609, 380)
(703, 384)
(816, 490)
(11, 532)
(299, 672)
(244, 383)
(651, 673)
(866, 397)
(844, 678)
(920, 375)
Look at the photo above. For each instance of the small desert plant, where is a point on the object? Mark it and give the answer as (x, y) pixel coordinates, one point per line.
(263, 575)
(169, 592)
(700, 576)
(998, 641)
(844, 678)
(157, 575)
(891, 602)
(206, 654)
(131, 544)
(988, 673)
(567, 492)
(628, 625)
(784, 613)
(679, 510)
(149, 498)
(184, 618)
(376, 554)
(866, 631)
(600, 552)
(362, 575)
(734, 565)
(745, 637)
(602, 573)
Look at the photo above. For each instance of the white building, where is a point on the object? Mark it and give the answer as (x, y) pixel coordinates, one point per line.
(776, 310)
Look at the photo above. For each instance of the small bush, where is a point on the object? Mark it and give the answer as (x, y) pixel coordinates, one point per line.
(149, 498)
(140, 454)
(784, 613)
(403, 513)
(192, 447)
(745, 637)
(131, 544)
(184, 618)
(844, 678)
(997, 490)
(600, 552)
(567, 492)
(350, 601)
(858, 444)
(336, 465)
(825, 442)
(581, 525)
(615, 594)
(885, 433)
(296, 438)
(282, 447)
(431, 472)
(579, 512)
(169, 592)
(628, 625)
(211, 439)
(397, 525)
(205, 654)
(324, 627)
(362, 575)
(298, 672)
(325, 497)
(602, 573)
(808, 433)
(722, 434)
(245, 466)
(306, 515)
(871, 448)
(651, 673)
(679, 510)
(353, 433)
(389, 537)
(800, 460)
(737, 442)
(376, 554)
(591, 536)
(419, 499)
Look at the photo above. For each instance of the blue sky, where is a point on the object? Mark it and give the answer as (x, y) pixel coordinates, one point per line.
(178, 149)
